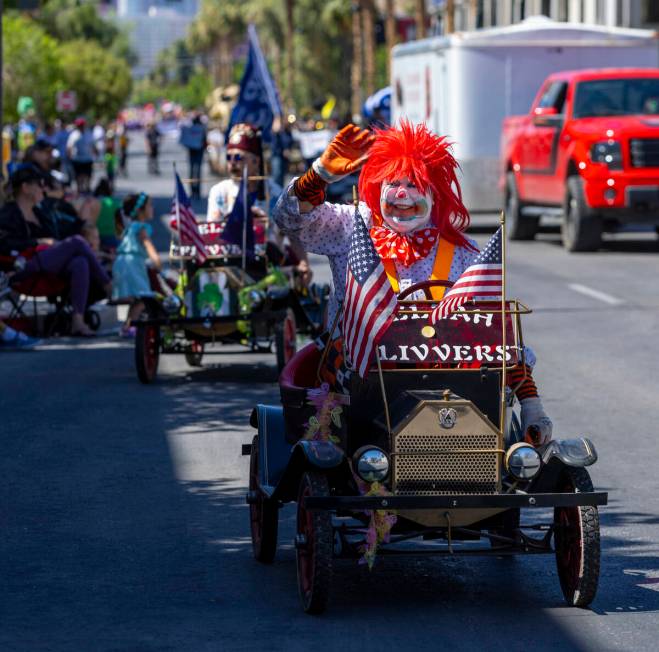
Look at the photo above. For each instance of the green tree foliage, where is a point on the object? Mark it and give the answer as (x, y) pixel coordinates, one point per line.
(64, 46)
(72, 20)
(31, 67)
(101, 80)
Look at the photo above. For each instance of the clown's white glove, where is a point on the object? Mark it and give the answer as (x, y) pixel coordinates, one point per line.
(534, 418)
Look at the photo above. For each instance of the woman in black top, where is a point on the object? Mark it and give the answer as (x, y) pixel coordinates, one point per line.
(23, 229)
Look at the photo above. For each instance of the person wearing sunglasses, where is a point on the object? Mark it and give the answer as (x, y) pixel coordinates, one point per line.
(24, 229)
(244, 150)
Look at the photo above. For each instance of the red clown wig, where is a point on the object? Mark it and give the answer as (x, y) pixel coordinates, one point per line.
(425, 159)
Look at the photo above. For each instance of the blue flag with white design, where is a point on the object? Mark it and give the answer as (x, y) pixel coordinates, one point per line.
(258, 101)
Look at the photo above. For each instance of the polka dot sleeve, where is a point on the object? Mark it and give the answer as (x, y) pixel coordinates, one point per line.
(325, 230)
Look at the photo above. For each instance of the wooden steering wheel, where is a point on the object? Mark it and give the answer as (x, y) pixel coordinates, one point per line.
(425, 286)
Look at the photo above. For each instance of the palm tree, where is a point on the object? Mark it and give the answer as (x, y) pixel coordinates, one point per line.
(421, 18)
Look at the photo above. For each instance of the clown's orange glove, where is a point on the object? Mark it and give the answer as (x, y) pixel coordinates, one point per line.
(344, 155)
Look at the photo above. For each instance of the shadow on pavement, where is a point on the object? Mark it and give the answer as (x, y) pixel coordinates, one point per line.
(113, 541)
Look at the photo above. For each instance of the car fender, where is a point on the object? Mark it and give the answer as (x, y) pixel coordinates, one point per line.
(577, 452)
(558, 454)
(323, 456)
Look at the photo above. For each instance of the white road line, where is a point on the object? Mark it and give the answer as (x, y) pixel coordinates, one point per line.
(595, 294)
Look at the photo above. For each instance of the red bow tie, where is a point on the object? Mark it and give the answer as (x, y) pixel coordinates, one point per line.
(406, 249)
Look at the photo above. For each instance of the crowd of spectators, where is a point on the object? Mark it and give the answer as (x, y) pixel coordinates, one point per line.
(51, 222)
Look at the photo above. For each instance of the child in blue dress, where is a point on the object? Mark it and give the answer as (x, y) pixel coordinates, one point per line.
(130, 280)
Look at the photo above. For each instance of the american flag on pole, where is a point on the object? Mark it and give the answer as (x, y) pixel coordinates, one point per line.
(186, 220)
(370, 303)
(483, 278)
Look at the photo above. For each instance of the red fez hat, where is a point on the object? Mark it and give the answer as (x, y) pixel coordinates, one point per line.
(245, 137)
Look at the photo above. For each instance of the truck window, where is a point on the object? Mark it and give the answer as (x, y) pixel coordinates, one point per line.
(554, 96)
(604, 97)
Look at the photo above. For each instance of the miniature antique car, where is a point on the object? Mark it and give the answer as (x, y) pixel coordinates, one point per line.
(428, 444)
(225, 300)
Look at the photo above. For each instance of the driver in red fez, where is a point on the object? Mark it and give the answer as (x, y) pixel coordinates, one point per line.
(412, 206)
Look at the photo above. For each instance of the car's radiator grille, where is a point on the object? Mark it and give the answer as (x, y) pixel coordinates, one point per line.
(644, 152)
(446, 463)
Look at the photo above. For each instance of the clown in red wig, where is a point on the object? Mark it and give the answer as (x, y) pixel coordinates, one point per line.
(412, 205)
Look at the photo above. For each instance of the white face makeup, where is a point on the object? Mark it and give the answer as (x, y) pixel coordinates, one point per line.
(404, 208)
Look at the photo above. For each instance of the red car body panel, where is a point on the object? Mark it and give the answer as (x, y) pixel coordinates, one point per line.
(543, 156)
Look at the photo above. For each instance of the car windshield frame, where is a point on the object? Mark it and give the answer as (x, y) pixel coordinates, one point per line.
(617, 96)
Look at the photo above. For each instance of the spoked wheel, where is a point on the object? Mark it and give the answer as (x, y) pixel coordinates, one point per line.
(263, 513)
(577, 542)
(286, 339)
(195, 353)
(314, 546)
(147, 352)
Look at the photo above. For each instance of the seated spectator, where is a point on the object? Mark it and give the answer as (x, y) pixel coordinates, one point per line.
(40, 155)
(63, 218)
(13, 340)
(24, 229)
(129, 273)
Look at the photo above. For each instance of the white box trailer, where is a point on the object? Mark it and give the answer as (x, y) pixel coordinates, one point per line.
(464, 85)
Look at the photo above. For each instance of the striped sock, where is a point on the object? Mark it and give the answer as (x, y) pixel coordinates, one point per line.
(527, 389)
(310, 188)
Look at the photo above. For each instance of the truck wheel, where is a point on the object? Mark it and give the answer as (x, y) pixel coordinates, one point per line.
(263, 513)
(314, 546)
(518, 226)
(581, 229)
(577, 542)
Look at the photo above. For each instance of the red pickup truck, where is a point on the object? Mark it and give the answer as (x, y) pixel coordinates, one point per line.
(588, 149)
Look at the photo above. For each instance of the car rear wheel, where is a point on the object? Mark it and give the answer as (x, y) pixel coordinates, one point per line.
(285, 340)
(263, 513)
(581, 229)
(147, 352)
(577, 542)
(194, 354)
(518, 226)
(314, 546)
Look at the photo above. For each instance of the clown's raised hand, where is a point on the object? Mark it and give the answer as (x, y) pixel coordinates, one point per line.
(346, 153)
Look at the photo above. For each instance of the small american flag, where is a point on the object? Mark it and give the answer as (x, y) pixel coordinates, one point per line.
(370, 303)
(483, 278)
(187, 221)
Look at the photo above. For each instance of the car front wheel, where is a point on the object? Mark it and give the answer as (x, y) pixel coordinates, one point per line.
(577, 542)
(581, 229)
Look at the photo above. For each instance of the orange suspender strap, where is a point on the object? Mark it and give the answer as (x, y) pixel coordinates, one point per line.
(440, 270)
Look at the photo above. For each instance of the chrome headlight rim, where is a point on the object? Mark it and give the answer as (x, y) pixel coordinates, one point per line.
(371, 463)
(523, 461)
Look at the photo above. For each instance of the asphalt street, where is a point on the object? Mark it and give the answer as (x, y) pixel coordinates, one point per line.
(124, 526)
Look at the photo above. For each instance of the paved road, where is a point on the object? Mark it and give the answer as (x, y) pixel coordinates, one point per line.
(124, 525)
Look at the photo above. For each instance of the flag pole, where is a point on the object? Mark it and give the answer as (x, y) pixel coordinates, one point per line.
(503, 323)
(177, 205)
(244, 217)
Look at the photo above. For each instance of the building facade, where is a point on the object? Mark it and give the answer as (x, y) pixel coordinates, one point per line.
(474, 14)
(153, 26)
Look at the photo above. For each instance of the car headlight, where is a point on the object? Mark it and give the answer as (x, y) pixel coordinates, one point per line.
(372, 464)
(523, 461)
(607, 151)
(172, 304)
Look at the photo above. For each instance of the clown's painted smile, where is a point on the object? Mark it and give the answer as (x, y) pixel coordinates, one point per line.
(404, 208)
